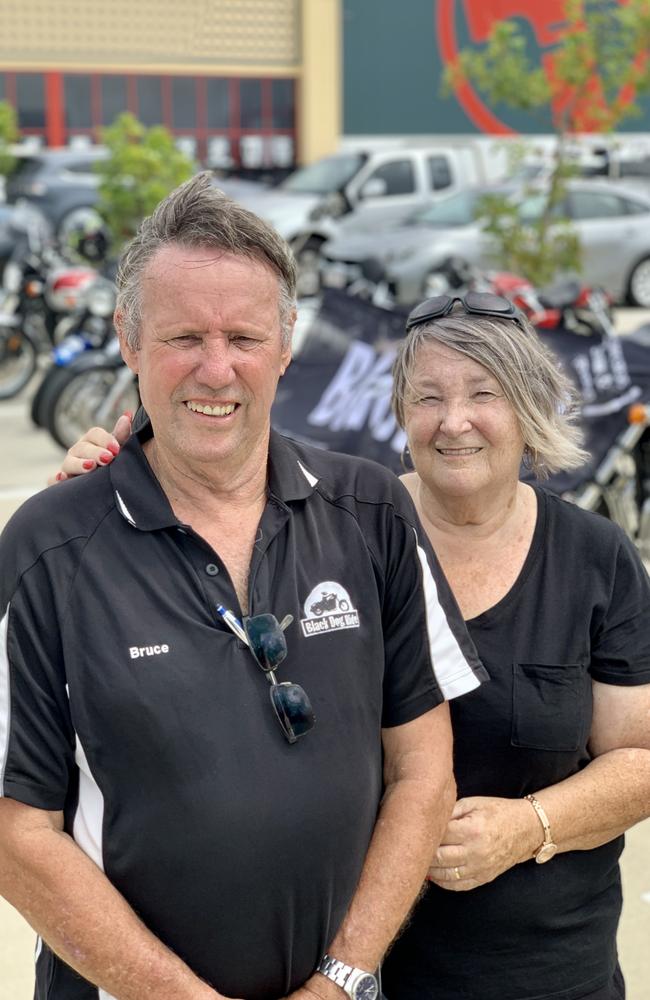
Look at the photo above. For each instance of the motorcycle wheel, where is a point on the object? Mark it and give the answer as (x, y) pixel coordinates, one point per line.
(54, 381)
(18, 359)
(80, 398)
(40, 399)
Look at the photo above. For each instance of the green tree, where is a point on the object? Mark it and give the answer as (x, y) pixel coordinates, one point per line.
(590, 82)
(8, 135)
(144, 165)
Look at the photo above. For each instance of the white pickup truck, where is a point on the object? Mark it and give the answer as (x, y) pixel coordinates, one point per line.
(377, 186)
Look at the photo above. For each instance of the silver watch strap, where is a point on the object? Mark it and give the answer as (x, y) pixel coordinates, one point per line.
(336, 970)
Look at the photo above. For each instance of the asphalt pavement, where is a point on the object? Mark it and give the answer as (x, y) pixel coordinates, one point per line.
(27, 457)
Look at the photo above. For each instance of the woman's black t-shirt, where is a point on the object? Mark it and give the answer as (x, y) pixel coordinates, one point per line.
(579, 611)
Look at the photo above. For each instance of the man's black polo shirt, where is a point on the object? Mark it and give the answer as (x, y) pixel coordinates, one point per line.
(127, 702)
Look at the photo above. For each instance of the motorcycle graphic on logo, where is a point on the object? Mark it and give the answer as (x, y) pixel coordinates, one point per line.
(328, 602)
(328, 608)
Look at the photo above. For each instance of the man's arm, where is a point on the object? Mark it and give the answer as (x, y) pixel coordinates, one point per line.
(74, 907)
(419, 795)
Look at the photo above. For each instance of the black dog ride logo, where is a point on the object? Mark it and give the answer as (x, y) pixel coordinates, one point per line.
(472, 21)
(328, 608)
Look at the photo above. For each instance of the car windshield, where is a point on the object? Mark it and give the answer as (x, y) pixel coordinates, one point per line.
(325, 176)
(457, 210)
(528, 172)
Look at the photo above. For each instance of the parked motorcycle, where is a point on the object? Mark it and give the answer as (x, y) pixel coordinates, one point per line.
(40, 289)
(91, 327)
(92, 391)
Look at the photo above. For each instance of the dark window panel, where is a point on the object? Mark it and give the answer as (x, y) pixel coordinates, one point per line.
(397, 176)
(114, 99)
(78, 105)
(218, 104)
(149, 100)
(250, 101)
(439, 173)
(30, 100)
(183, 102)
(282, 95)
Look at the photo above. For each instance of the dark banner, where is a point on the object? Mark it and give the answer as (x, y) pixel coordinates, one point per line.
(336, 392)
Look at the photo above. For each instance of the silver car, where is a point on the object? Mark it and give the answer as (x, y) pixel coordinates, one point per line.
(612, 221)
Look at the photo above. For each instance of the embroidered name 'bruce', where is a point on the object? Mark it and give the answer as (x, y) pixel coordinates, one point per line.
(137, 651)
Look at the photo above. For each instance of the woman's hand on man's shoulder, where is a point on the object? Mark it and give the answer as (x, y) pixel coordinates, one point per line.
(96, 448)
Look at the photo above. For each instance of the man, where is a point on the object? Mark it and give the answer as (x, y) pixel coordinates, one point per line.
(168, 827)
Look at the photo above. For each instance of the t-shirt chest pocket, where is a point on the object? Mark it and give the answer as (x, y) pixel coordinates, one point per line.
(551, 705)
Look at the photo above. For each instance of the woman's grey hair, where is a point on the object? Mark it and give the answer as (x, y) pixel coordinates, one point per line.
(540, 393)
(198, 215)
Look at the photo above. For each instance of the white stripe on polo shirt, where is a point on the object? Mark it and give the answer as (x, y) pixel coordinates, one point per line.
(451, 670)
(89, 816)
(5, 698)
(89, 819)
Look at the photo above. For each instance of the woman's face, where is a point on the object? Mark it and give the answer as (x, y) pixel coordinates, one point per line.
(462, 431)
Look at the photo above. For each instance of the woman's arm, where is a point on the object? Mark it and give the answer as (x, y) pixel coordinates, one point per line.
(488, 835)
(612, 793)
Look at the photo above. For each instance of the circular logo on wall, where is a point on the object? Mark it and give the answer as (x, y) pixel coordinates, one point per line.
(473, 20)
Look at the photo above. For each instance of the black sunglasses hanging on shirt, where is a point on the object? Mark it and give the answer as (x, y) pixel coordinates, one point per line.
(264, 636)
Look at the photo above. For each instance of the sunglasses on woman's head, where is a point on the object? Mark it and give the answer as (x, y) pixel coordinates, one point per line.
(473, 303)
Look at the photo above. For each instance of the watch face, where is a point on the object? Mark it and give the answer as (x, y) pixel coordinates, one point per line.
(545, 853)
(366, 988)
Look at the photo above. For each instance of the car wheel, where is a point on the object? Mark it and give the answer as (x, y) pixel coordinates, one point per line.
(308, 260)
(639, 284)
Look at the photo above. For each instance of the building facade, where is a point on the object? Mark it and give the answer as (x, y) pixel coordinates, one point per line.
(244, 83)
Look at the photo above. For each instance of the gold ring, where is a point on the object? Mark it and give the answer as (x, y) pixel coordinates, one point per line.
(456, 873)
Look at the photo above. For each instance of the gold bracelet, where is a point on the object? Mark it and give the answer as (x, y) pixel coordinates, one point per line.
(547, 849)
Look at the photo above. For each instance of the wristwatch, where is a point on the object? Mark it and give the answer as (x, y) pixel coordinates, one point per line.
(358, 985)
(548, 848)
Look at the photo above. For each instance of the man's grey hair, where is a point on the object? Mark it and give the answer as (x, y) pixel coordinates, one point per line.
(540, 393)
(197, 215)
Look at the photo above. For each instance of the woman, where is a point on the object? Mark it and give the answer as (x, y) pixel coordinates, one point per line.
(524, 893)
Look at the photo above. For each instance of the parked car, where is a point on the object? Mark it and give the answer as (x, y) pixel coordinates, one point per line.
(378, 186)
(61, 183)
(612, 221)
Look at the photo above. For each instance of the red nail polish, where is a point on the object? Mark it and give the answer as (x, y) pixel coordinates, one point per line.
(106, 457)
(88, 464)
(59, 477)
(113, 448)
(127, 413)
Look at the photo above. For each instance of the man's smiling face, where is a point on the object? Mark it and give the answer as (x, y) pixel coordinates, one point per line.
(210, 354)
